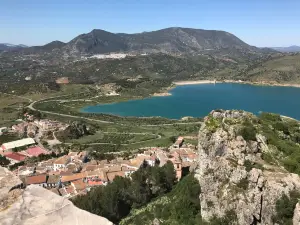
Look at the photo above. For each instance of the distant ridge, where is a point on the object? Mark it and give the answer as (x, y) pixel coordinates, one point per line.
(7, 46)
(176, 40)
(293, 48)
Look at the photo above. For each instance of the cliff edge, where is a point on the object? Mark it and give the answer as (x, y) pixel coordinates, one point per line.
(235, 180)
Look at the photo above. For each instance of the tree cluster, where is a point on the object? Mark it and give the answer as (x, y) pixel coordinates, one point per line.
(116, 200)
(180, 206)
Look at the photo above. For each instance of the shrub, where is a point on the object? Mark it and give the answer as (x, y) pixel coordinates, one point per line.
(285, 208)
(248, 165)
(248, 133)
(212, 124)
(228, 219)
(210, 204)
(281, 127)
(270, 117)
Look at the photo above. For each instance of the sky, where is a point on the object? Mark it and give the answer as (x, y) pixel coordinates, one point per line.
(263, 23)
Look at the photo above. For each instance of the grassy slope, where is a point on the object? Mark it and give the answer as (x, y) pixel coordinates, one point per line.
(284, 69)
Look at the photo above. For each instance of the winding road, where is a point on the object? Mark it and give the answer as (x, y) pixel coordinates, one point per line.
(32, 103)
(31, 106)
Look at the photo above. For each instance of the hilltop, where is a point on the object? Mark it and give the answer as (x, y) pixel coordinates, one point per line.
(176, 40)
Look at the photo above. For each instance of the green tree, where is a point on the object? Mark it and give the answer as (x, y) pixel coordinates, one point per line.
(170, 175)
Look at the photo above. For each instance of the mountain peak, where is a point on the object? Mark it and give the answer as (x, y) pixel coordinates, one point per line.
(172, 40)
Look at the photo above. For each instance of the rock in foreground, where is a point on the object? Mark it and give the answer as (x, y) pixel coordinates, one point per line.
(38, 206)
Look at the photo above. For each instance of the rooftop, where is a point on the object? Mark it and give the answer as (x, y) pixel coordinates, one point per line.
(15, 156)
(18, 143)
(62, 160)
(79, 185)
(76, 176)
(94, 183)
(112, 175)
(36, 151)
(39, 179)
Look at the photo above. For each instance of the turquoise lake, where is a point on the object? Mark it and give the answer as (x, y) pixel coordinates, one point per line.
(199, 100)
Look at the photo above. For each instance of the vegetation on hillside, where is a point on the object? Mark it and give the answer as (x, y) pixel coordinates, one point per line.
(283, 139)
(285, 207)
(180, 206)
(117, 199)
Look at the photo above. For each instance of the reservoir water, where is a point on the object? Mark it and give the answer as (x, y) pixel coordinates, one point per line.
(199, 100)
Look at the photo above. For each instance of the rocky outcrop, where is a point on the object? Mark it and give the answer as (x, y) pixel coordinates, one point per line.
(231, 172)
(296, 219)
(36, 205)
(10, 188)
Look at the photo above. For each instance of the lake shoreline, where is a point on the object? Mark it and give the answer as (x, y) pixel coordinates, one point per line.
(195, 82)
(166, 92)
(224, 95)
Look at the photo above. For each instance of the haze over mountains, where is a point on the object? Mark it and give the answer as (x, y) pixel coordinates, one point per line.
(293, 48)
(170, 40)
(7, 46)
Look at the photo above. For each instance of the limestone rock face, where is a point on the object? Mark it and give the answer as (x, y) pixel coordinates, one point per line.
(9, 190)
(296, 218)
(38, 206)
(227, 183)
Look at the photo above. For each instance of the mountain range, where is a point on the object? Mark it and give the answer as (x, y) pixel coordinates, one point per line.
(293, 48)
(174, 40)
(7, 46)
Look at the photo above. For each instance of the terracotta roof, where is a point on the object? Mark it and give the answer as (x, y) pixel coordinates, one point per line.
(79, 185)
(54, 172)
(111, 175)
(15, 156)
(75, 176)
(36, 179)
(94, 183)
(65, 173)
(36, 151)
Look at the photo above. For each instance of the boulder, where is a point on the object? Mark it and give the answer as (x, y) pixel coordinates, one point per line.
(36, 205)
